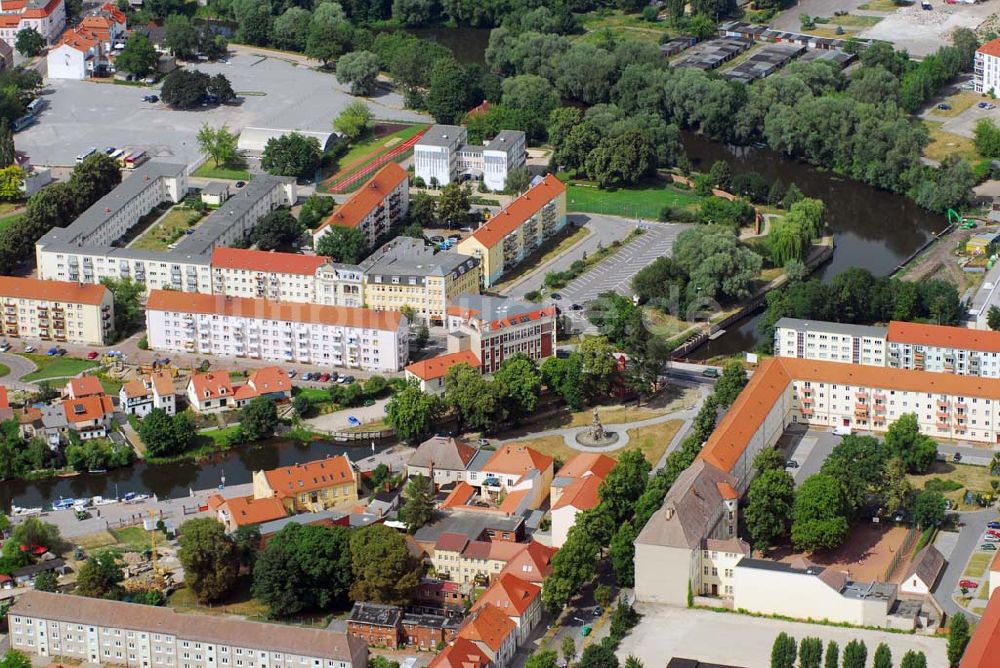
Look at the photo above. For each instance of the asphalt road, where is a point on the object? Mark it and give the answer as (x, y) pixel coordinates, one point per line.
(604, 230)
(969, 539)
(19, 366)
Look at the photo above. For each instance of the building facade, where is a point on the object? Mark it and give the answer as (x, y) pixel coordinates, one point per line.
(380, 204)
(495, 328)
(987, 68)
(48, 17)
(442, 156)
(830, 341)
(140, 396)
(95, 631)
(256, 274)
(435, 155)
(57, 311)
(518, 229)
(260, 329)
(310, 487)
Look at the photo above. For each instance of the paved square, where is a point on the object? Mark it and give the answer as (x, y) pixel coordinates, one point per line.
(275, 93)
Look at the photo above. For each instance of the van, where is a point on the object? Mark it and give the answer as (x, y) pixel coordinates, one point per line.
(710, 372)
(843, 431)
(83, 156)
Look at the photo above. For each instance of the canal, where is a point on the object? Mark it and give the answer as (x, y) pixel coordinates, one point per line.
(173, 480)
(872, 228)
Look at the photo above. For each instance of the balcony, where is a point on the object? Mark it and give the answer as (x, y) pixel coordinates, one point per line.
(860, 394)
(807, 401)
(806, 410)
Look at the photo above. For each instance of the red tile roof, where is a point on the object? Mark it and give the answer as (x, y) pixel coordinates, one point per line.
(520, 210)
(162, 382)
(211, 385)
(136, 388)
(586, 463)
(510, 594)
(460, 654)
(991, 48)
(269, 380)
(451, 542)
(262, 261)
(944, 337)
(490, 627)
(4, 402)
(84, 386)
(352, 212)
(460, 496)
(437, 367)
(581, 494)
(320, 474)
(265, 309)
(245, 510)
(54, 291)
(533, 563)
(516, 459)
(40, 12)
(984, 648)
(88, 408)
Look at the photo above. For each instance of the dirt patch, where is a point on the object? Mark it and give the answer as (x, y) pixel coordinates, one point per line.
(864, 556)
(382, 129)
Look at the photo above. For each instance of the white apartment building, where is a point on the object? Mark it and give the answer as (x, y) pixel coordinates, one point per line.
(286, 277)
(967, 352)
(830, 341)
(48, 17)
(56, 311)
(987, 67)
(347, 337)
(374, 208)
(97, 631)
(442, 156)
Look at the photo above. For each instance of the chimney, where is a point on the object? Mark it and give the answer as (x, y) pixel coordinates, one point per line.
(668, 513)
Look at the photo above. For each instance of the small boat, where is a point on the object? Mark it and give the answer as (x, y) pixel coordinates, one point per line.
(101, 501)
(97, 471)
(134, 497)
(63, 504)
(19, 511)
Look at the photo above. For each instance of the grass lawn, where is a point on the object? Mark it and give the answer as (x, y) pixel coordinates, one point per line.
(880, 5)
(614, 415)
(56, 367)
(973, 478)
(219, 436)
(622, 26)
(10, 219)
(136, 539)
(4, 370)
(645, 201)
(239, 602)
(167, 230)
(313, 395)
(978, 563)
(653, 440)
(365, 151)
(110, 385)
(377, 425)
(943, 144)
(852, 20)
(210, 171)
(94, 541)
(958, 102)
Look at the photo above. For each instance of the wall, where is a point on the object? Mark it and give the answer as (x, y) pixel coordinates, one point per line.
(660, 573)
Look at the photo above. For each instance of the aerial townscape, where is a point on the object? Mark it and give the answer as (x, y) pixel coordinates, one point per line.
(500, 333)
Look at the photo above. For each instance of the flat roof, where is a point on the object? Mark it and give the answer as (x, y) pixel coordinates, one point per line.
(468, 524)
(831, 327)
(442, 135)
(413, 258)
(505, 139)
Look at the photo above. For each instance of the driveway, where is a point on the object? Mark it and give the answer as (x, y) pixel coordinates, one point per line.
(969, 539)
(604, 230)
(338, 420)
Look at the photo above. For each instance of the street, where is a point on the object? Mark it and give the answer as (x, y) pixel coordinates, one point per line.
(969, 538)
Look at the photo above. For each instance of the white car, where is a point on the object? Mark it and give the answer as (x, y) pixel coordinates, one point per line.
(990, 538)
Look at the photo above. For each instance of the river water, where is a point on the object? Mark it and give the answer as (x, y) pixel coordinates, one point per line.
(173, 480)
(873, 229)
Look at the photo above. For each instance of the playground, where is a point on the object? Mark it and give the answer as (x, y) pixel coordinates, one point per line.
(867, 554)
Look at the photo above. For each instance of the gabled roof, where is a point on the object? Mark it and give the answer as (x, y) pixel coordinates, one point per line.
(459, 496)
(489, 627)
(984, 648)
(943, 336)
(88, 408)
(991, 48)
(366, 198)
(533, 563)
(927, 565)
(587, 463)
(516, 459)
(451, 542)
(162, 382)
(580, 494)
(270, 379)
(320, 474)
(510, 594)
(442, 452)
(212, 385)
(460, 654)
(246, 511)
(135, 389)
(84, 386)
(266, 262)
(437, 367)
(519, 211)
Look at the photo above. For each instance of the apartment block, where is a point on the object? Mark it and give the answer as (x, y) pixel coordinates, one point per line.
(283, 332)
(495, 328)
(48, 17)
(57, 311)
(518, 229)
(986, 67)
(97, 631)
(442, 156)
(830, 341)
(310, 487)
(937, 348)
(381, 203)
(286, 277)
(407, 272)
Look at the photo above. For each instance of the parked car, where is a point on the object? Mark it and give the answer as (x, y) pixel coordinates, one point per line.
(994, 525)
(968, 584)
(562, 353)
(29, 349)
(576, 307)
(957, 457)
(483, 441)
(989, 547)
(334, 376)
(92, 355)
(991, 539)
(944, 107)
(323, 377)
(791, 464)
(437, 239)
(52, 352)
(240, 184)
(4, 347)
(62, 351)
(556, 295)
(993, 532)
(710, 372)
(346, 380)
(292, 373)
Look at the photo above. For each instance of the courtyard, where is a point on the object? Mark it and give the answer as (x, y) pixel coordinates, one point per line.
(274, 93)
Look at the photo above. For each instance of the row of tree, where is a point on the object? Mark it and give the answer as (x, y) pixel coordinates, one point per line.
(810, 654)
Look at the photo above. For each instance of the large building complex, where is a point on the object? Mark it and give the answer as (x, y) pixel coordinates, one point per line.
(518, 229)
(283, 332)
(495, 328)
(57, 311)
(90, 249)
(987, 67)
(285, 277)
(96, 631)
(407, 272)
(442, 156)
(901, 345)
(381, 203)
(86, 49)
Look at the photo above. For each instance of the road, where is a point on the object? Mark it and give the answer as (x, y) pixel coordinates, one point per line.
(19, 366)
(604, 230)
(969, 538)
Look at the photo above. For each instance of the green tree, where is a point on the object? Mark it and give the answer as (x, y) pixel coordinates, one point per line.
(276, 229)
(599, 365)
(622, 160)
(292, 154)
(883, 656)
(184, 89)
(327, 42)
(810, 653)
(210, 559)
(771, 499)
(418, 509)
(832, 658)
(993, 318)
(46, 581)
(166, 436)
(29, 43)
(384, 571)
(819, 514)
(518, 181)
(904, 440)
(343, 244)
(359, 69)
(291, 29)
(913, 659)
(101, 576)
(14, 659)
(7, 153)
(423, 210)
(568, 648)
(478, 403)
(11, 181)
(565, 377)
(447, 96)
(181, 37)
(380, 475)
(520, 383)
(896, 489)
(783, 651)
(928, 509)
(412, 413)
(731, 383)
(987, 138)
(139, 56)
(259, 419)
(315, 209)
(598, 655)
(572, 566)
(355, 121)
(219, 143)
(857, 463)
(127, 298)
(767, 459)
(221, 88)
(624, 485)
(719, 266)
(453, 204)
(855, 654)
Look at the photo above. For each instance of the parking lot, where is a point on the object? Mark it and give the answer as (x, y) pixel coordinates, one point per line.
(274, 93)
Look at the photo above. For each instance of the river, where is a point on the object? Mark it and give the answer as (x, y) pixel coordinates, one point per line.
(872, 228)
(468, 45)
(173, 480)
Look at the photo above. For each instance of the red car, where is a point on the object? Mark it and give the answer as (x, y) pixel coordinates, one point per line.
(323, 377)
(993, 532)
(968, 584)
(92, 355)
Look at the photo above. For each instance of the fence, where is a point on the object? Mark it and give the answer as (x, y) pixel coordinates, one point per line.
(902, 553)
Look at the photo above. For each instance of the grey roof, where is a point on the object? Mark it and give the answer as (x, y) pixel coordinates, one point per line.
(40, 567)
(779, 566)
(478, 462)
(505, 139)
(208, 233)
(869, 590)
(468, 524)
(431, 621)
(442, 135)
(215, 188)
(407, 257)
(445, 453)
(927, 565)
(831, 327)
(54, 416)
(493, 308)
(114, 252)
(711, 54)
(692, 502)
(93, 218)
(376, 614)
